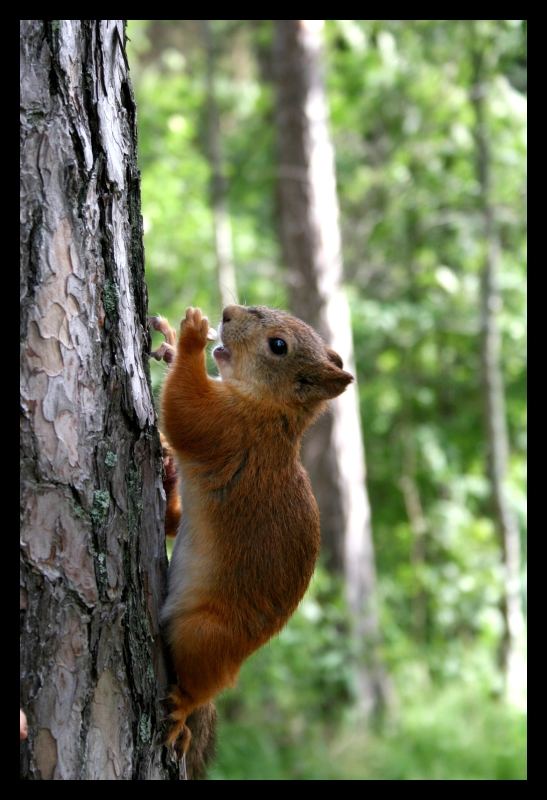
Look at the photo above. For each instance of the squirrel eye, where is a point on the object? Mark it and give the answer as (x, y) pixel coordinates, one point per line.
(278, 346)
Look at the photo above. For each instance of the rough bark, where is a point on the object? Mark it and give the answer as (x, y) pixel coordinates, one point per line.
(93, 561)
(222, 228)
(333, 451)
(495, 421)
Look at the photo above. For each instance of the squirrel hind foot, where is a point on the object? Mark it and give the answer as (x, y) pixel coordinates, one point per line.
(179, 734)
(179, 738)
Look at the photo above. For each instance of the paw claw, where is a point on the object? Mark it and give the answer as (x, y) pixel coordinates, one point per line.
(165, 352)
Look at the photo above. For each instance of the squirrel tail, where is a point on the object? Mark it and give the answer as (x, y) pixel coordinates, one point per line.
(202, 723)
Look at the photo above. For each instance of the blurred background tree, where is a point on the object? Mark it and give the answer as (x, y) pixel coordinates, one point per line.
(309, 233)
(434, 261)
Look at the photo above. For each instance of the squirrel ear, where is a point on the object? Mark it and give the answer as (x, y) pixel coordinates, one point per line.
(335, 380)
(335, 358)
(327, 380)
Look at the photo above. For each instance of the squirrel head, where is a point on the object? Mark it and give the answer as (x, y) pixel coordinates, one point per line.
(277, 356)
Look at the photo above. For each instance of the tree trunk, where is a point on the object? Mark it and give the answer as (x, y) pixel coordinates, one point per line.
(419, 530)
(218, 191)
(512, 649)
(93, 563)
(310, 235)
(408, 481)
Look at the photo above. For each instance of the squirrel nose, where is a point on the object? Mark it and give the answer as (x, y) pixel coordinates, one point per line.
(229, 313)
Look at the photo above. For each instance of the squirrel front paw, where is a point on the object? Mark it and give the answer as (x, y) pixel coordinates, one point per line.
(194, 330)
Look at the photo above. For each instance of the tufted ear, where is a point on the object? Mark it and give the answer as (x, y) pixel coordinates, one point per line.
(323, 380)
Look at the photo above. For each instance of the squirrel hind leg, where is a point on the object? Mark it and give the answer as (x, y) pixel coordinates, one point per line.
(179, 734)
(171, 487)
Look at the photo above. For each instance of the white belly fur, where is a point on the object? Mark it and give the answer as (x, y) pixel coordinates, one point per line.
(189, 566)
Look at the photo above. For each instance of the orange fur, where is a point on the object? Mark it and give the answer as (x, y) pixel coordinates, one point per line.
(171, 486)
(249, 536)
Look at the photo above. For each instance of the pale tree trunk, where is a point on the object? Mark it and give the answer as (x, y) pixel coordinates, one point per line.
(226, 274)
(419, 530)
(333, 451)
(512, 650)
(93, 561)
(408, 481)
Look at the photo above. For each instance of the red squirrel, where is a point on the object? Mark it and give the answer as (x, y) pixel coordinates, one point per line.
(248, 538)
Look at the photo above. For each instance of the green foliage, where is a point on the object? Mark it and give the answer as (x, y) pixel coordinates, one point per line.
(402, 122)
(447, 735)
(403, 129)
(289, 718)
